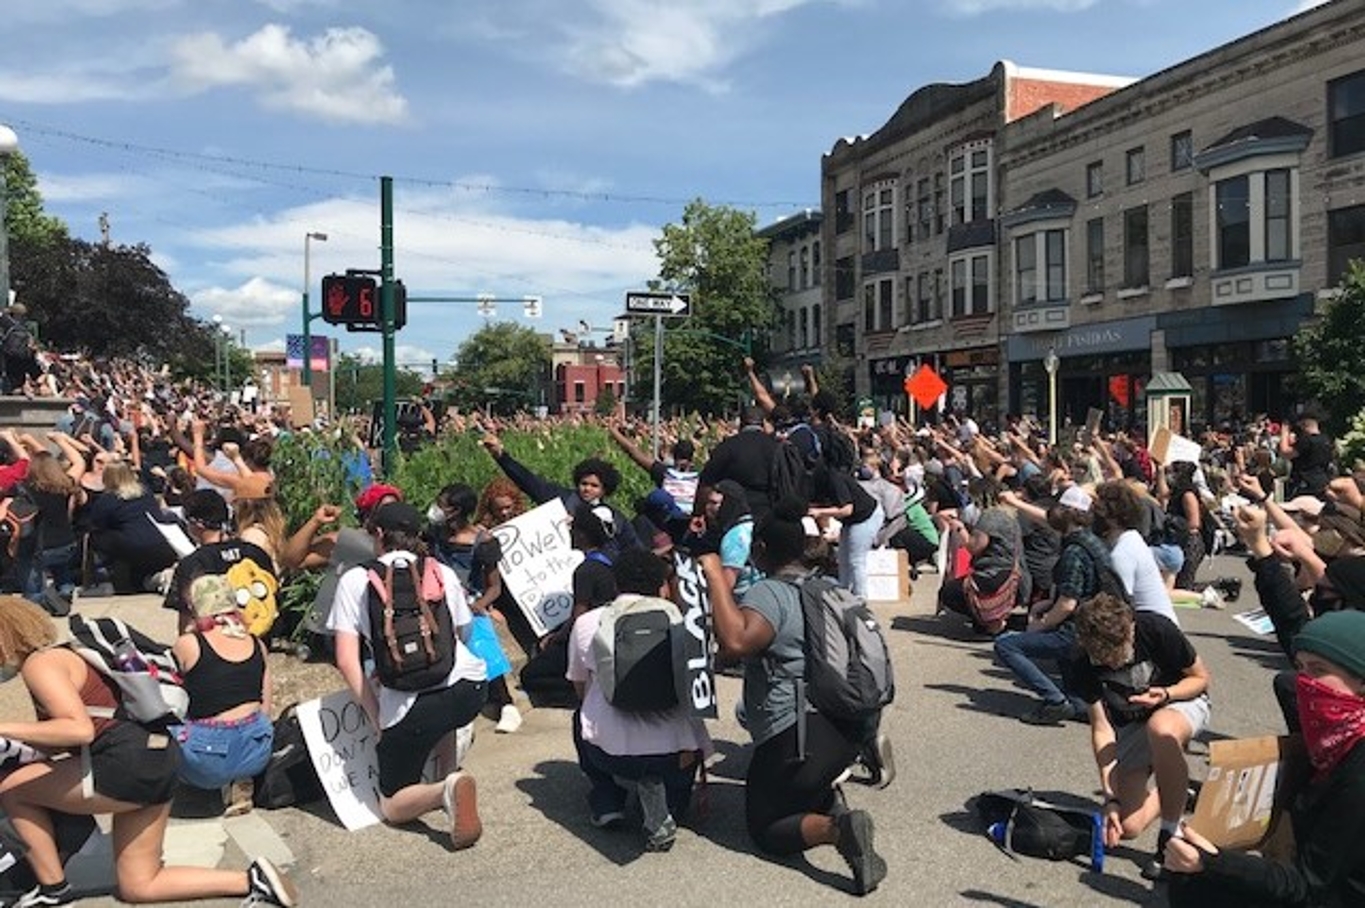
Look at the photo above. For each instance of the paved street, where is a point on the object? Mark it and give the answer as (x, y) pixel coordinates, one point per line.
(955, 733)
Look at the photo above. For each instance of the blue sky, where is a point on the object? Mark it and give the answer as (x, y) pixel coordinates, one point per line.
(538, 145)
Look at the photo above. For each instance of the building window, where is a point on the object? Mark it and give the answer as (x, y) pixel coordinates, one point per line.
(1182, 235)
(926, 208)
(1094, 255)
(1233, 198)
(936, 310)
(1346, 114)
(791, 330)
(869, 308)
(981, 285)
(815, 325)
(924, 299)
(958, 279)
(1345, 241)
(969, 192)
(815, 263)
(805, 267)
(886, 304)
(791, 270)
(1182, 151)
(879, 218)
(843, 214)
(578, 392)
(1278, 241)
(970, 285)
(1135, 247)
(805, 328)
(844, 283)
(938, 202)
(1048, 283)
(1094, 179)
(1137, 165)
(1025, 270)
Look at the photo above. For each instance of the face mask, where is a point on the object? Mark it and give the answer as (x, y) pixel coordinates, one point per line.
(8, 673)
(435, 514)
(1332, 721)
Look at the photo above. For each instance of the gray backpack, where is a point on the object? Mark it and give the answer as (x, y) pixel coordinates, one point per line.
(638, 658)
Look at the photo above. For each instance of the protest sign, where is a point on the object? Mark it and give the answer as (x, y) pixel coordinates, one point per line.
(537, 564)
(693, 599)
(1169, 447)
(341, 744)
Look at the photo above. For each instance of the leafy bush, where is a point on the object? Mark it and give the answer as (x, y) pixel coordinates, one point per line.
(1351, 447)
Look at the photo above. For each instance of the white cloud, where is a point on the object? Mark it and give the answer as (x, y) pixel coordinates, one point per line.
(255, 303)
(976, 7)
(73, 86)
(91, 187)
(334, 76)
(1304, 6)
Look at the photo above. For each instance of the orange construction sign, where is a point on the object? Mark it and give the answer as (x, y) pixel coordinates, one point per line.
(925, 387)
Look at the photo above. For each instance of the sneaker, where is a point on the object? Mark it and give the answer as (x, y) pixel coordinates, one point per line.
(881, 760)
(1230, 587)
(460, 798)
(1211, 598)
(509, 720)
(1155, 869)
(36, 897)
(1049, 714)
(268, 886)
(855, 847)
(608, 820)
(663, 838)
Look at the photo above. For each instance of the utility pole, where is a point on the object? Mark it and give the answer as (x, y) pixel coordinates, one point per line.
(104, 229)
(390, 410)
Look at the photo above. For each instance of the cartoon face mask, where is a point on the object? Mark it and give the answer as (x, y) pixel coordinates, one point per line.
(254, 588)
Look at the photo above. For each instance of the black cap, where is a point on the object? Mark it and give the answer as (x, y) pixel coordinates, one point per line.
(397, 516)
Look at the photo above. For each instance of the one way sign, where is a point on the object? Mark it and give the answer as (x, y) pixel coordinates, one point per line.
(652, 302)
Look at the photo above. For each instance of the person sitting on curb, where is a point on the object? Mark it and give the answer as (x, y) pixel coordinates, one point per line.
(412, 725)
(1146, 690)
(658, 751)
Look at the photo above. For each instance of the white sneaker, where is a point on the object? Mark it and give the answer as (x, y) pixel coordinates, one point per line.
(1211, 598)
(509, 720)
(464, 739)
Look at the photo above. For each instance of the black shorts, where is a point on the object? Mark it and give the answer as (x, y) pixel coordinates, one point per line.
(404, 747)
(133, 765)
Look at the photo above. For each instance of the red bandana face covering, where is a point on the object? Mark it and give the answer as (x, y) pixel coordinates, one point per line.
(1333, 721)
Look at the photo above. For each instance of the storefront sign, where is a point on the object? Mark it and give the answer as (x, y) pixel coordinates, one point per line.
(1085, 340)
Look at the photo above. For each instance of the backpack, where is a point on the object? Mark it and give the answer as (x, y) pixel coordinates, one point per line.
(848, 676)
(788, 475)
(411, 634)
(289, 777)
(20, 520)
(15, 343)
(638, 657)
(1109, 580)
(151, 692)
(838, 449)
(1018, 822)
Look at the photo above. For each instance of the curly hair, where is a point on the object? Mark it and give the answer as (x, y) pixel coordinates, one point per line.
(609, 476)
(45, 474)
(499, 487)
(1118, 505)
(24, 629)
(1104, 628)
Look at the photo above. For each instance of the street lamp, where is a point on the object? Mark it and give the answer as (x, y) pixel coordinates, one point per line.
(218, 351)
(1050, 363)
(307, 372)
(9, 144)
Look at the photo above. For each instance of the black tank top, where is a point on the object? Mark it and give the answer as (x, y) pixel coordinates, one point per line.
(216, 685)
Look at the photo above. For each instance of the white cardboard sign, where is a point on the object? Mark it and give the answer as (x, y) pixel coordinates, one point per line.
(537, 564)
(341, 744)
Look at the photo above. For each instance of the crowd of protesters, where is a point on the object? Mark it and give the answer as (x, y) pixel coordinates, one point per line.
(1071, 561)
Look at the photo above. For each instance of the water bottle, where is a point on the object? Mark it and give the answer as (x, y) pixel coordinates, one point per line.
(127, 658)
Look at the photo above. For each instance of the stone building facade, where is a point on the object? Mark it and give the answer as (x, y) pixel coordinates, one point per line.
(1189, 221)
(794, 269)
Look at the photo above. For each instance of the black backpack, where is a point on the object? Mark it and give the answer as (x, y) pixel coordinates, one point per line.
(288, 778)
(788, 475)
(1019, 823)
(837, 448)
(411, 634)
(16, 340)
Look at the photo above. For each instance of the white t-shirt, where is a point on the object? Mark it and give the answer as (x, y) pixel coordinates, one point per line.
(616, 731)
(350, 615)
(1136, 567)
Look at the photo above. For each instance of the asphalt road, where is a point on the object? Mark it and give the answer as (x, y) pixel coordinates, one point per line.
(956, 734)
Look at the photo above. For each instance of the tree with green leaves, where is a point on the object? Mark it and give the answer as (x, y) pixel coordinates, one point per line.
(714, 255)
(502, 366)
(359, 383)
(1331, 356)
(25, 218)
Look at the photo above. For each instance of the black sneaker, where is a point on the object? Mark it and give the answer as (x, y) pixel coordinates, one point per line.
(36, 897)
(268, 886)
(1155, 867)
(1049, 714)
(855, 846)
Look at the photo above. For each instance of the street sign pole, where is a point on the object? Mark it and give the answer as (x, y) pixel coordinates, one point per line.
(386, 325)
(658, 377)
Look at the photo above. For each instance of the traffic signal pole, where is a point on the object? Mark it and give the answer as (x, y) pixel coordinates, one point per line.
(390, 409)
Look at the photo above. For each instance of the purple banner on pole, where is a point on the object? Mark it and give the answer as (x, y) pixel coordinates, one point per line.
(293, 352)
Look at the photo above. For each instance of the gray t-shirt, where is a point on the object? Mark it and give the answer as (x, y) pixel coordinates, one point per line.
(770, 677)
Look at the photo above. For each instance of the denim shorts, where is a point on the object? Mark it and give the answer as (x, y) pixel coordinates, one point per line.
(214, 753)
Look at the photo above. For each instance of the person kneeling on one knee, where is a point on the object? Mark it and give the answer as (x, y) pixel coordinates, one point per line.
(1146, 690)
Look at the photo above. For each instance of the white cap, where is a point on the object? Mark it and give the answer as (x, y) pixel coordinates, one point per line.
(1075, 498)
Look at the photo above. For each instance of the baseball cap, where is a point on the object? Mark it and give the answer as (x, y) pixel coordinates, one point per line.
(1075, 498)
(397, 516)
(366, 500)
